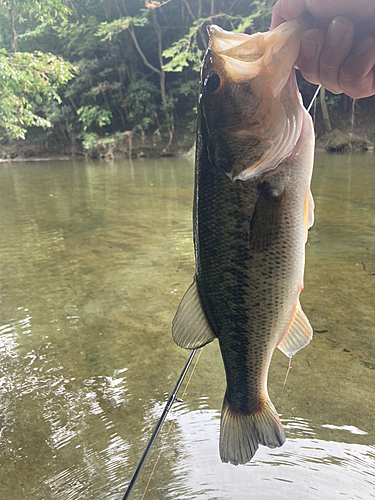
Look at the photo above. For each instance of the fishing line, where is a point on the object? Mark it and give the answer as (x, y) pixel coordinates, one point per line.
(313, 99)
(314, 112)
(170, 427)
(286, 376)
(158, 427)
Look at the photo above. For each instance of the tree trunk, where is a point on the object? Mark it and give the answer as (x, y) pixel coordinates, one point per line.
(161, 62)
(162, 82)
(352, 116)
(212, 11)
(73, 142)
(200, 31)
(323, 105)
(15, 35)
(160, 71)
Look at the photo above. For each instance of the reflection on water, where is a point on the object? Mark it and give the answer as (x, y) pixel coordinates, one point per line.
(94, 259)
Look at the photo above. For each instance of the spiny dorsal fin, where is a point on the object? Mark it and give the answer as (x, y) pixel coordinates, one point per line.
(190, 328)
(299, 334)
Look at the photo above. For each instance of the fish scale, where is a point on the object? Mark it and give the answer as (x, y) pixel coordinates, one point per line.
(243, 289)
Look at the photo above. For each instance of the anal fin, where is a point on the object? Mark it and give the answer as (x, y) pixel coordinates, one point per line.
(190, 328)
(308, 212)
(298, 335)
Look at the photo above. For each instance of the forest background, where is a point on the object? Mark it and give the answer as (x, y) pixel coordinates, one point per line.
(101, 78)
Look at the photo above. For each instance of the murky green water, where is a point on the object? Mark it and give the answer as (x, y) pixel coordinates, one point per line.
(94, 259)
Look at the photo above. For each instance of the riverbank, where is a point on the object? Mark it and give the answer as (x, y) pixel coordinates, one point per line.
(336, 142)
(349, 133)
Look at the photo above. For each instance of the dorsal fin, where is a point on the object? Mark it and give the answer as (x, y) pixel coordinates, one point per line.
(299, 334)
(190, 328)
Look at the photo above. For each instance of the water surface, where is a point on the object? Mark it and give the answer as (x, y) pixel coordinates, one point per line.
(94, 259)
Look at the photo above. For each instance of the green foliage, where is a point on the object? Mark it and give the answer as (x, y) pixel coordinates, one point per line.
(107, 30)
(44, 11)
(332, 100)
(258, 20)
(94, 116)
(102, 147)
(140, 104)
(184, 52)
(89, 140)
(29, 79)
(26, 81)
(89, 69)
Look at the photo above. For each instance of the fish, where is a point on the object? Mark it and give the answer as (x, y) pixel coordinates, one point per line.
(252, 211)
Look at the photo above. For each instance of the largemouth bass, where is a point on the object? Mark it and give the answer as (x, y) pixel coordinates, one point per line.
(252, 211)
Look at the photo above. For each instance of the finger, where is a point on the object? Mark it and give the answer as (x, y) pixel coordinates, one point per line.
(312, 44)
(286, 10)
(358, 10)
(338, 44)
(357, 73)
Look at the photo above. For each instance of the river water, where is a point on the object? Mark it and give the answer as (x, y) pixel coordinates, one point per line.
(94, 259)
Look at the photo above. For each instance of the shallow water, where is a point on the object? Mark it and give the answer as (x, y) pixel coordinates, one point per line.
(94, 259)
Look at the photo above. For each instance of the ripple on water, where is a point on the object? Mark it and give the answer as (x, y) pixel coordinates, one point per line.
(308, 468)
(90, 279)
(97, 474)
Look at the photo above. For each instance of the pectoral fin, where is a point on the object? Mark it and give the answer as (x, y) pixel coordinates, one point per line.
(299, 334)
(190, 328)
(265, 222)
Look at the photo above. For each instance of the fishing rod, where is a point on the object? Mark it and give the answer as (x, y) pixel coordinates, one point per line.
(158, 427)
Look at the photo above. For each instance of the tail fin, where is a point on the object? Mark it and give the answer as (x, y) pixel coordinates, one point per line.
(240, 435)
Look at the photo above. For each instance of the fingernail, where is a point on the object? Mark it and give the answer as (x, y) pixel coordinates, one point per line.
(368, 43)
(308, 48)
(336, 32)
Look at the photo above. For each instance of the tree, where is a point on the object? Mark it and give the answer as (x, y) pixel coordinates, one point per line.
(323, 105)
(28, 79)
(146, 17)
(176, 34)
(135, 63)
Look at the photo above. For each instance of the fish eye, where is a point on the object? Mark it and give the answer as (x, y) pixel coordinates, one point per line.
(212, 83)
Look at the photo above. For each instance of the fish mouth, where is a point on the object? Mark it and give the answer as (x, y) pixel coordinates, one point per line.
(271, 54)
(267, 61)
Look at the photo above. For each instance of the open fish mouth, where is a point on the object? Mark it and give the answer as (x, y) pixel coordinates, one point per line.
(265, 61)
(271, 54)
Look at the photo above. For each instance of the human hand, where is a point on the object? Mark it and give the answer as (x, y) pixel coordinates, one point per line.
(339, 51)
